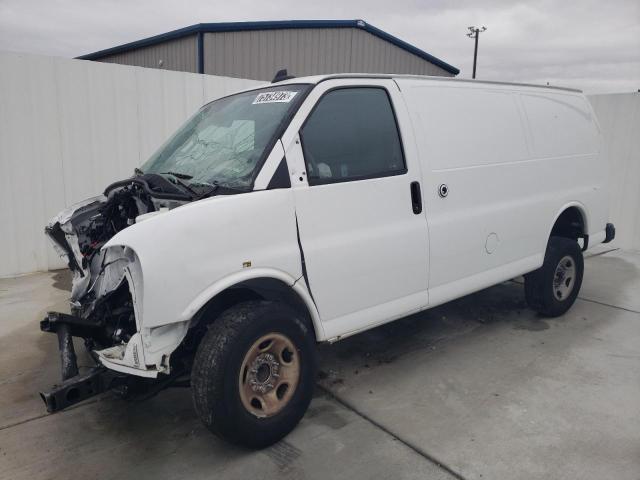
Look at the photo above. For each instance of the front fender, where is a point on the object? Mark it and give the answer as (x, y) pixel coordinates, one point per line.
(190, 251)
(252, 274)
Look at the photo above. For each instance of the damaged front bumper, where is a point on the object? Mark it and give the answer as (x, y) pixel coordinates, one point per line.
(115, 366)
(74, 387)
(81, 387)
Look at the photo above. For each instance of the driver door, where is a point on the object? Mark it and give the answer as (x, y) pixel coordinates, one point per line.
(362, 230)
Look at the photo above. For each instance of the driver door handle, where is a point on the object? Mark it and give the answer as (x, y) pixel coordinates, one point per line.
(416, 197)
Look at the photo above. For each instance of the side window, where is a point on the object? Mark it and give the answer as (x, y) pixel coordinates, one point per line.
(352, 135)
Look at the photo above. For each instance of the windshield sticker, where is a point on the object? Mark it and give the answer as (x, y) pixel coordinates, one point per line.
(274, 97)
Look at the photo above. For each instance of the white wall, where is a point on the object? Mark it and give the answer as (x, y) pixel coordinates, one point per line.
(619, 117)
(68, 128)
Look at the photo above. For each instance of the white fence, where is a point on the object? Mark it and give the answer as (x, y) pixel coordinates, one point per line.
(68, 128)
(619, 117)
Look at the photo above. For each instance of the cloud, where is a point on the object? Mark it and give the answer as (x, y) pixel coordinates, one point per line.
(586, 44)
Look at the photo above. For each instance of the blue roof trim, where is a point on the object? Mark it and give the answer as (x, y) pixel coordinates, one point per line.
(270, 25)
(410, 48)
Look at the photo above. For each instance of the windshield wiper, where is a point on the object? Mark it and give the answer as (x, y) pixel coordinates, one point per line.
(179, 177)
(182, 176)
(137, 171)
(215, 186)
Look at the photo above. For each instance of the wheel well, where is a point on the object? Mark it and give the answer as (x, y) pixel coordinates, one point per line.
(254, 289)
(570, 224)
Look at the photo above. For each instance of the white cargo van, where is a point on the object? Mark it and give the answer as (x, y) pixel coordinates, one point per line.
(313, 209)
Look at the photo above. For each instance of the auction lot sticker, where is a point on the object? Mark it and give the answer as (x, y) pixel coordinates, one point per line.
(279, 96)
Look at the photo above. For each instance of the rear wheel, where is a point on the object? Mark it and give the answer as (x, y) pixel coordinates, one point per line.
(553, 288)
(253, 374)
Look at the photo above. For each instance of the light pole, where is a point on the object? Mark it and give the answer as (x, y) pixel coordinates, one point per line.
(474, 32)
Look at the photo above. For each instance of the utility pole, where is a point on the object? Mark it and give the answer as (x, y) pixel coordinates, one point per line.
(474, 32)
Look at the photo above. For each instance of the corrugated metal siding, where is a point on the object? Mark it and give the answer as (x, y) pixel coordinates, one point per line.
(180, 54)
(312, 51)
(371, 54)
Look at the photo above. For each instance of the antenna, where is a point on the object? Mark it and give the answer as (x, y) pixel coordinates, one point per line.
(281, 75)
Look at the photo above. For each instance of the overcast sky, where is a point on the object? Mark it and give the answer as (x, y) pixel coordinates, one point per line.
(588, 44)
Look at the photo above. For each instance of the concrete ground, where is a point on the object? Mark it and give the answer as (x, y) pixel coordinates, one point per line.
(480, 388)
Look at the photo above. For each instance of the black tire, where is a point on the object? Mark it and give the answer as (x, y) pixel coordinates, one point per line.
(539, 285)
(216, 370)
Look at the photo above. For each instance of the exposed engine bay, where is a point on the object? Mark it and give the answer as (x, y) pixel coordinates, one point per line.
(103, 310)
(99, 288)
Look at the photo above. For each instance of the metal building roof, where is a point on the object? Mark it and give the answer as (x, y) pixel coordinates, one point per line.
(270, 25)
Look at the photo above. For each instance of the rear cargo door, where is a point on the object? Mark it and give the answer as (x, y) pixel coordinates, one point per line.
(362, 227)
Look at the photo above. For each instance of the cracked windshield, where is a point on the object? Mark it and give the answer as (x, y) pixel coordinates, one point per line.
(225, 141)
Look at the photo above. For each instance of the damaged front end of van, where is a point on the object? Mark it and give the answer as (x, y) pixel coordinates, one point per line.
(106, 289)
(218, 152)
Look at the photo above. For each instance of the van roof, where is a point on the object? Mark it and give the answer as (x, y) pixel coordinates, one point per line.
(320, 78)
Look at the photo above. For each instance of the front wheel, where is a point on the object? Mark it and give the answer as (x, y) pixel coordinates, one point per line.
(552, 289)
(253, 374)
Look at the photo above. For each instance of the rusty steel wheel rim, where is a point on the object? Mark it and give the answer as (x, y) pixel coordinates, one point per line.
(269, 375)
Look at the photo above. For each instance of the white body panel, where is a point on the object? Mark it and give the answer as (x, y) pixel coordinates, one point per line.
(190, 254)
(186, 250)
(513, 159)
(366, 251)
